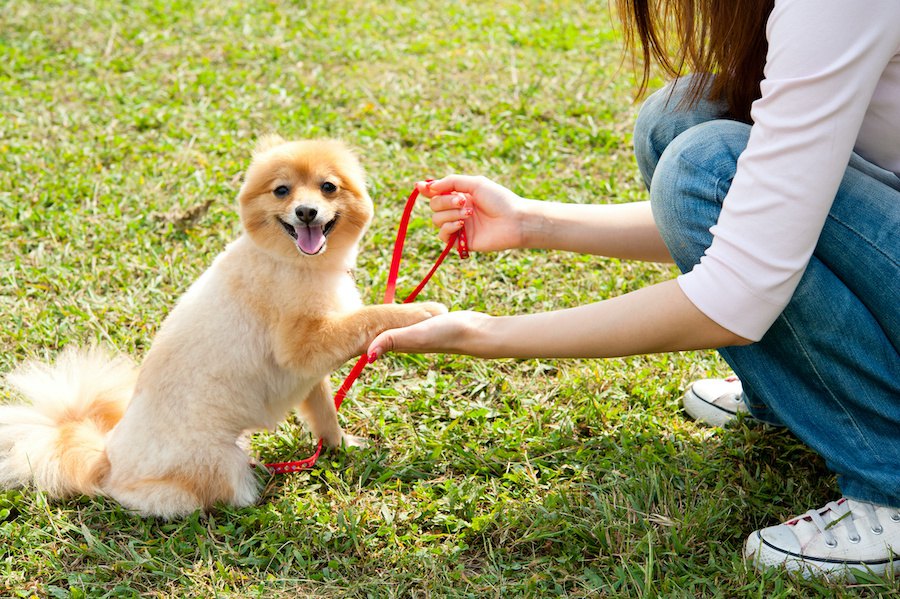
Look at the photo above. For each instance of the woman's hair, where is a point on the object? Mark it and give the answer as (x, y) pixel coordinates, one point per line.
(724, 38)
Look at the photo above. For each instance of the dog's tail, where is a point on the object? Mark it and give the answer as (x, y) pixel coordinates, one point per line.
(56, 439)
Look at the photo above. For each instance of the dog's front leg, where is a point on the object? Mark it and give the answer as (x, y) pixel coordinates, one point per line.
(320, 414)
(320, 345)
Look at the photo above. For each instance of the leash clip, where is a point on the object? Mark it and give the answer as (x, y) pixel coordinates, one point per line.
(462, 243)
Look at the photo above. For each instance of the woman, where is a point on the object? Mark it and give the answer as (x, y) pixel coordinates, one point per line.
(773, 185)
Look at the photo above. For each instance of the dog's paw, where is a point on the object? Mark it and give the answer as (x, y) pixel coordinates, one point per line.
(404, 315)
(354, 441)
(430, 309)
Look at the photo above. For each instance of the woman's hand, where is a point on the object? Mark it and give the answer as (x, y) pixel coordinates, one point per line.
(450, 333)
(497, 219)
(491, 213)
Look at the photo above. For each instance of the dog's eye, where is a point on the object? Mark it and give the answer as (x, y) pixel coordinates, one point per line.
(329, 187)
(281, 191)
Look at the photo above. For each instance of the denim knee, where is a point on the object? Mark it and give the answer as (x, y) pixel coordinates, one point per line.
(663, 117)
(650, 136)
(689, 184)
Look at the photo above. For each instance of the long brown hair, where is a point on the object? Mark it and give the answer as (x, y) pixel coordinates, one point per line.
(722, 41)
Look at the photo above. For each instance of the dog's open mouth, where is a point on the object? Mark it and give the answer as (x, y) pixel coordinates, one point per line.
(310, 239)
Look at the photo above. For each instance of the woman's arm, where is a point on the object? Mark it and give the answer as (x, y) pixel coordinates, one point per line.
(495, 218)
(658, 318)
(824, 64)
(654, 319)
(624, 231)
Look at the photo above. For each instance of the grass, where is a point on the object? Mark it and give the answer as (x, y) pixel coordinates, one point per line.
(510, 478)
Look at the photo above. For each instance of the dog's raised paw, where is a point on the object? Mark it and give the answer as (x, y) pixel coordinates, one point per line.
(433, 308)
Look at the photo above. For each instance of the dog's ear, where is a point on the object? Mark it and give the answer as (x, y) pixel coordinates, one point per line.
(267, 142)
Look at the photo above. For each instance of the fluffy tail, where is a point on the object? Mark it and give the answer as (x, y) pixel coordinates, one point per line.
(56, 439)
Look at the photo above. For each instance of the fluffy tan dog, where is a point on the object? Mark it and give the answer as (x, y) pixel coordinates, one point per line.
(256, 335)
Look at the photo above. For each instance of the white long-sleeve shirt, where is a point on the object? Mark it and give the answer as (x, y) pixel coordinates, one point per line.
(831, 86)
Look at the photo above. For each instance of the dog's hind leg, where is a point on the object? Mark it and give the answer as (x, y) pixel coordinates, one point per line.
(158, 497)
(210, 476)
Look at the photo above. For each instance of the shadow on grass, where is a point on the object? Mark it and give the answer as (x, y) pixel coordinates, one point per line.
(633, 511)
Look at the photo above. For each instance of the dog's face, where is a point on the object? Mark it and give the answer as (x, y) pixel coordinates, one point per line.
(303, 198)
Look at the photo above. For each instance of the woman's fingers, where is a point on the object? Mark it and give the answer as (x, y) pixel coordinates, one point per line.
(449, 228)
(448, 201)
(381, 345)
(446, 212)
(448, 216)
(407, 338)
(451, 201)
(449, 213)
(463, 183)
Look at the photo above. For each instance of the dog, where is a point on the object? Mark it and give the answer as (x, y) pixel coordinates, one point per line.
(256, 335)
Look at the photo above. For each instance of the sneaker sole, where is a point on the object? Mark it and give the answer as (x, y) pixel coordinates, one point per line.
(764, 555)
(703, 411)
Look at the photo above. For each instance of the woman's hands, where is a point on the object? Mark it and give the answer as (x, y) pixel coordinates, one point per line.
(491, 213)
(653, 319)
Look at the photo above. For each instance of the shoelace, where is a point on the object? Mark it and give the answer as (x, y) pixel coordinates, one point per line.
(842, 514)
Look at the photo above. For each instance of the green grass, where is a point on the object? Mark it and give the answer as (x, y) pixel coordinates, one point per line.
(484, 479)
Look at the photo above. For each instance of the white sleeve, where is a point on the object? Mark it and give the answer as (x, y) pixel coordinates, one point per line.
(824, 61)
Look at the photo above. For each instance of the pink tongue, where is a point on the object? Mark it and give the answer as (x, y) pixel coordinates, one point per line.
(310, 239)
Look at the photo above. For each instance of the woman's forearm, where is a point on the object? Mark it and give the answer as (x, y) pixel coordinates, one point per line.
(624, 231)
(658, 318)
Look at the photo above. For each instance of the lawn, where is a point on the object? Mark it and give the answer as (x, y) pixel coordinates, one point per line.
(124, 130)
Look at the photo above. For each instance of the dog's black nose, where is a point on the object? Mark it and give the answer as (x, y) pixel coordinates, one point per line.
(306, 214)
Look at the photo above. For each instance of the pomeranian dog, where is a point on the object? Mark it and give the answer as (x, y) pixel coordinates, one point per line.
(256, 335)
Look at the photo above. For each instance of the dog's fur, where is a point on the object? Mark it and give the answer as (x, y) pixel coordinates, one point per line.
(256, 335)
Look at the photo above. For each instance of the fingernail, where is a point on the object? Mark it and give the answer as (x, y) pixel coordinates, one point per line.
(373, 355)
(460, 201)
(468, 211)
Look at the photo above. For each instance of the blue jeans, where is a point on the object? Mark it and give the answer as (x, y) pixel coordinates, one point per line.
(829, 368)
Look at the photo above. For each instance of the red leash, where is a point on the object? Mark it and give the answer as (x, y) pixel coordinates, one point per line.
(393, 273)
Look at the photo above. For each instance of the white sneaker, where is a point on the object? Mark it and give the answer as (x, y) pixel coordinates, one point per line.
(832, 542)
(715, 402)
